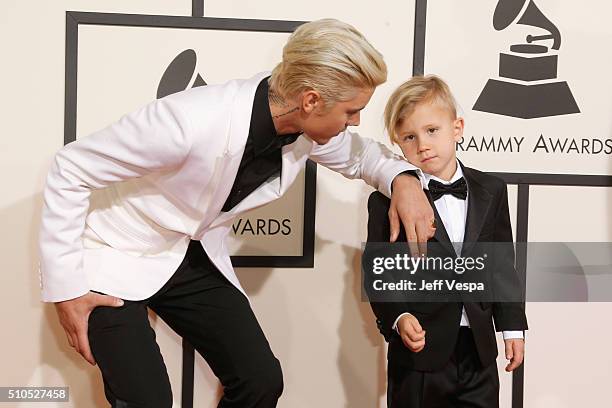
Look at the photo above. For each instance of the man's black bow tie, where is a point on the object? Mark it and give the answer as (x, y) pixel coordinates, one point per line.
(457, 189)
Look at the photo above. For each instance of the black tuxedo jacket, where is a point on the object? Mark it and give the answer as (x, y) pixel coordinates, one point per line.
(488, 220)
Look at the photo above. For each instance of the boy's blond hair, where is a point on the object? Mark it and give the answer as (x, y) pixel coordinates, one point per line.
(418, 89)
(330, 57)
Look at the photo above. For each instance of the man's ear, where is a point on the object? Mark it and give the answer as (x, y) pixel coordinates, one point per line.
(458, 126)
(310, 100)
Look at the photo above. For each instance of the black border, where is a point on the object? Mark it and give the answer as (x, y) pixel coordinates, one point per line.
(75, 18)
(197, 8)
(522, 180)
(522, 232)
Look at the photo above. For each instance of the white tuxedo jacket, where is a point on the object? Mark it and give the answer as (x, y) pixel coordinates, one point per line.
(161, 175)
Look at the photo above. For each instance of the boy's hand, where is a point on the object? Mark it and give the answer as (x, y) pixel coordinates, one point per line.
(74, 316)
(411, 332)
(410, 205)
(515, 350)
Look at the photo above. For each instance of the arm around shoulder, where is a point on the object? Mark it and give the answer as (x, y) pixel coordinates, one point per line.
(354, 157)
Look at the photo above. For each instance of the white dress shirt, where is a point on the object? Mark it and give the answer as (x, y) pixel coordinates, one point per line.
(453, 212)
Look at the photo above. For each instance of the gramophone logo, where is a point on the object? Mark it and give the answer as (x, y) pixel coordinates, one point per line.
(180, 75)
(534, 91)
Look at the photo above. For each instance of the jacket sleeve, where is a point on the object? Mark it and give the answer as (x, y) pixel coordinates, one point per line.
(507, 315)
(356, 157)
(378, 231)
(152, 138)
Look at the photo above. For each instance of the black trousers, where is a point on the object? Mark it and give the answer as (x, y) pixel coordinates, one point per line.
(462, 383)
(202, 306)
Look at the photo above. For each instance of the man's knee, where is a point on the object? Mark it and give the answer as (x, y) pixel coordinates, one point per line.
(273, 384)
(152, 394)
(263, 384)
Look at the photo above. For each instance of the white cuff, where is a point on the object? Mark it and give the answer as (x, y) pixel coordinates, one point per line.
(513, 334)
(397, 173)
(394, 327)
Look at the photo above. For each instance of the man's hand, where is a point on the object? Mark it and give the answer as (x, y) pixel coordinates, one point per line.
(515, 350)
(410, 205)
(74, 315)
(411, 332)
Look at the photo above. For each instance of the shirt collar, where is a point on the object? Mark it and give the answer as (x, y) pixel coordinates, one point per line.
(426, 177)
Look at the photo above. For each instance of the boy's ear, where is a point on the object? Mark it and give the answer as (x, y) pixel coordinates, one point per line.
(458, 125)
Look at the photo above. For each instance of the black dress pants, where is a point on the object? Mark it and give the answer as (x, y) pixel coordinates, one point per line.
(462, 383)
(203, 307)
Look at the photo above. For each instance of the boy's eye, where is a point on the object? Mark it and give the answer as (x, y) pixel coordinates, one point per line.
(407, 138)
(431, 130)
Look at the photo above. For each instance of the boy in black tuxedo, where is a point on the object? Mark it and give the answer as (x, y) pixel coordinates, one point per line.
(443, 354)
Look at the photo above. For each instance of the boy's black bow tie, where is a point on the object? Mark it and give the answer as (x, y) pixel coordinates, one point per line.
(457, 189)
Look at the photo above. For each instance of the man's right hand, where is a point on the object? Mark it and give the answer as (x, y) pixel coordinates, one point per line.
(411, 332)
(74, 316)
(410, 205)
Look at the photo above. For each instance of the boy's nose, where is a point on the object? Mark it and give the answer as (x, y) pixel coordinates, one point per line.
(422, 147)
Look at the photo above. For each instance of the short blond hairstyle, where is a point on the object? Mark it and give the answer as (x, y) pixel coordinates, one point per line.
(418, 89)
(330, 57)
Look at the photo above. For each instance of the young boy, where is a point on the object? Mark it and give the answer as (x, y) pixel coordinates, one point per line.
(444, 354)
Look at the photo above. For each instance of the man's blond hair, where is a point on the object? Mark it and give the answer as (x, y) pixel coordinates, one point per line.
(418, 89)
(330, 57)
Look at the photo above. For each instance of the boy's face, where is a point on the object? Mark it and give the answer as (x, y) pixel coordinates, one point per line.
(427, 137)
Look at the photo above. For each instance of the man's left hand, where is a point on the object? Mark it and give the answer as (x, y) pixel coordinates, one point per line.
(410, 205)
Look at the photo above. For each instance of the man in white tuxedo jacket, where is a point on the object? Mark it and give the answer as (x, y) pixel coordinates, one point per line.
(170, 178)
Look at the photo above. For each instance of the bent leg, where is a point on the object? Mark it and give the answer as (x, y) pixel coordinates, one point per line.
(123, 344)
(217, 319)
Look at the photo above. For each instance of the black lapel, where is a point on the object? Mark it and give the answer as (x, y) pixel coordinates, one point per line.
(479, 201)
(441, 235)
